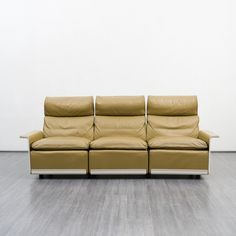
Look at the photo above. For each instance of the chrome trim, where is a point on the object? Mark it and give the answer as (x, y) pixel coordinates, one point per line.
(179, 171)
(118, 171)
(58, 171)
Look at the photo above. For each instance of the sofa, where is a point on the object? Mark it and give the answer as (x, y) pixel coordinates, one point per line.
(119, 145)
(120, 136)
(176, 146)
(62, 147)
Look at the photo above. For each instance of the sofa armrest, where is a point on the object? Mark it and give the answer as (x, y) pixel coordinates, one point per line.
(33, 136)
(207, 136)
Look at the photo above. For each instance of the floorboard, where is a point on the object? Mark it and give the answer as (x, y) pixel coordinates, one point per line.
(117, 206)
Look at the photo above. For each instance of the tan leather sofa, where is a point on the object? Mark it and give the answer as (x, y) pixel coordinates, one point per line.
(119, 138)
(62, 146)
(176, 146)
(119, 145)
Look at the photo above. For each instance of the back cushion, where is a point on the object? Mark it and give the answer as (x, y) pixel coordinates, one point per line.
(120, 125)
(68, 116)
(172, 116)
(120, 115)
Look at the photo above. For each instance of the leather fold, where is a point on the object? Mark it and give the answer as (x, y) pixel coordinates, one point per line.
(206, 136)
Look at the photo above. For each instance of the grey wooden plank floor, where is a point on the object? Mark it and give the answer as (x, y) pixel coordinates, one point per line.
(117, 206)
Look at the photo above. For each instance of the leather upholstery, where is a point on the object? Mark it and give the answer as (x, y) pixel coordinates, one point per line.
(172, 105)
(172, 126)
(172, 116)
(121, 134)
(178, 159)
(68, 106)
(120, 105)
(172, 133)
(206, 136)
(68, 159)
(68, 126)
(181, 143)
(118, 159)
(119, 142)
(33, 136)
(120, 125)
(61, 143)
(120, 116)
(64, 117)
(69, 116)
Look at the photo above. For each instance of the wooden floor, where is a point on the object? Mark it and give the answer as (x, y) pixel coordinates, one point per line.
(117, 206)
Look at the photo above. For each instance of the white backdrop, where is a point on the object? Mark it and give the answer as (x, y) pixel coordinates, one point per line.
(125, 47)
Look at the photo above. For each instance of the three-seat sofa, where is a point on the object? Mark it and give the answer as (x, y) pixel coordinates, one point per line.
(120, 136)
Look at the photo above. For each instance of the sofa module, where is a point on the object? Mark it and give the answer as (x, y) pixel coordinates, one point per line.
(119, 145)
(62, 146)
(176, 146)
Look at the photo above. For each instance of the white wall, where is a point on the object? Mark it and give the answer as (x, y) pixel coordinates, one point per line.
(125, 47)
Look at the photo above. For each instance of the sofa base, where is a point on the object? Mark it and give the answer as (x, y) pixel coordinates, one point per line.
(58, 171)
(189, 162)
(59, 162)
(179, 172)
(118, 162)
(118, 171)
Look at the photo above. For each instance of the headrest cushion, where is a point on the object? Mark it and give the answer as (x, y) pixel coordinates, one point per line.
(172, 105)
(120, 105)
(68, 106)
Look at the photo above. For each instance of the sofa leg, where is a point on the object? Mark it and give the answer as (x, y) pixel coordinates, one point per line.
(148, 175)
(195, 176)
(41, 176)
(198, 176)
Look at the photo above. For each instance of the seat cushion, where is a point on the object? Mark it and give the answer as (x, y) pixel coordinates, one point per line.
(180, 143)
(119, 142)
(61, 143)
